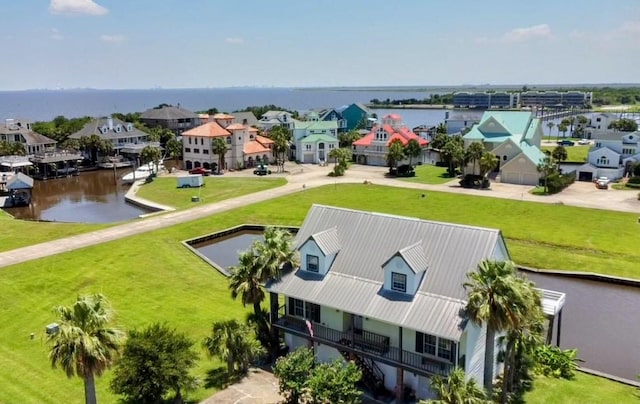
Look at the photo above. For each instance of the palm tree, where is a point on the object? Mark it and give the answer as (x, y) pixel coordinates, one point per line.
(274, 253)
(547, 167)
(559, 154)
(453, 152)
(412, 150)
(488, 162)
(281, 137)
(84, 344)
(395, 153)
(550, 125)
(474, 153)
(495, 299)
(231, 341)
(151, 154)
(219, 148)
(244, 281)
(454, 389)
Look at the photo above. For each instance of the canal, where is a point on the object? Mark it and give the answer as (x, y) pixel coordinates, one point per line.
(90, 197)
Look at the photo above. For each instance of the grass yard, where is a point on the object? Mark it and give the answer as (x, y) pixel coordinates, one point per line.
(151, 277)
(584, 389)
(575, 154)
(429, 174)
(19, 233)
(164, 190)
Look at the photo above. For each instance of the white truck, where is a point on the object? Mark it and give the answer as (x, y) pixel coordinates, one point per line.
(190, 181)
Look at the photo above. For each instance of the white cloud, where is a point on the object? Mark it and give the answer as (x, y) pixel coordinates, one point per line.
(113, 38)
(234, 40)
(56, 35)
(76, 7)
(630, 29)
(541, 31)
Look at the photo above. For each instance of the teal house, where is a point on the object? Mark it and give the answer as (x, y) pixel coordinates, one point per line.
(358, 116)
(514, 138)
(314, 139)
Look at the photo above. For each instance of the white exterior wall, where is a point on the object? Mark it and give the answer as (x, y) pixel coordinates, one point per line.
(474, 351)
(325, 353)
(611, 155)
(311, 248)
(398, 265)
(519, 171)
(332, 318)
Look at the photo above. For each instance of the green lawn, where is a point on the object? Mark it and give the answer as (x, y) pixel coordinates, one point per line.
(151, 277)
(575, 154)
(19, 233)
(164, 190)
(584, 389)
(429, 174)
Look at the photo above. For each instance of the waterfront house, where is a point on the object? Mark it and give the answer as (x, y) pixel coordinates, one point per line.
(457, 121)
(176, 119)
(314, 139)
(372, 148)
(387, 292)
(514, 138)
(328, 114)
(20, 131)
(276, 118)
(245, 147)
(126, 140)
(358, 116)
(612, 155)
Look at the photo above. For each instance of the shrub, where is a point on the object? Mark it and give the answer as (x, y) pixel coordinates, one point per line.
(553, 361)
(474, 181)
(634, 180)
(557, 182)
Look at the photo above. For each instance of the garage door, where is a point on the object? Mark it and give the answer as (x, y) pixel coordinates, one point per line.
(308, 158)
(510, 178)
(585, 176)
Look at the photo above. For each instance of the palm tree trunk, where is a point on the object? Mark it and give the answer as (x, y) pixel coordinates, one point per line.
(90, 390)
(230, 364)
(508, 365)
(488, 359)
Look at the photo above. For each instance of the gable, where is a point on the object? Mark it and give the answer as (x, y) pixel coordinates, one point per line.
(491, 127)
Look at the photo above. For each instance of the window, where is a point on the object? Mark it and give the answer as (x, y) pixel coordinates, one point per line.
(201, 141)
(187, 150)
(228, 139)
(308, 147)
(398, 282)
(196, 151)
(189, 140)
(445, 349)
(313, 263)
(332, 146)
(296, 307)
(425, 343)
(603, 161)
(205, 151)
(504, 158)
(312, 312)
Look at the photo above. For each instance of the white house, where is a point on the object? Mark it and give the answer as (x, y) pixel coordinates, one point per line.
(372, 148)
(612, 155)
(456, 121)
(387, 292)
(314, 139)
(276, 118)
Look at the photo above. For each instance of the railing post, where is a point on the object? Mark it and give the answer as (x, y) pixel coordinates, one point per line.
(400, 343)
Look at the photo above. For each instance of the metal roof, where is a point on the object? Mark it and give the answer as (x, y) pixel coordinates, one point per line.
(328, 241)
(414, 257)
(20, 181)
(367, 240)
(168, 113)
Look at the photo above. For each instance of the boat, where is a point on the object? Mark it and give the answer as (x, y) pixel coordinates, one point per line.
(115, 162)
(141, 173)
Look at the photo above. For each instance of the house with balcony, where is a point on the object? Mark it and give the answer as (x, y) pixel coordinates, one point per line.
(514, 138)
(387, 292)
(245, 147)
(328, 114)
(20, 131)
(277, 118)
(126, 140)
(613, 155)
(372, 148)
(176, 119)
(314, 139)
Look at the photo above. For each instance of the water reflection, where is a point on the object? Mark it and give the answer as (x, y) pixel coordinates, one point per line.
(600, 319)
(91, 197)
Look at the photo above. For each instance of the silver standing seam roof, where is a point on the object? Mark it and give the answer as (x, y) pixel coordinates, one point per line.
(366, 241)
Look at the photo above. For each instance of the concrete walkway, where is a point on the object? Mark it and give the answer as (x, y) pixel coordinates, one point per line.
(579, 194)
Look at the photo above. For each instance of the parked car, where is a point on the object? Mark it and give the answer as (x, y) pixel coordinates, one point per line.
(602, 179)
(200, 170)
(261, 170)
(566, 143)
(584, 141)
(602, 184)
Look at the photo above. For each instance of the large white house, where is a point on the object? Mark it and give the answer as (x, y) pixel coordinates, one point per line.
(387, 292)
(314, 139)
(612, 155)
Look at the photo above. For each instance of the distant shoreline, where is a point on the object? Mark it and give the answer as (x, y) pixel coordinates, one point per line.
(410, 106)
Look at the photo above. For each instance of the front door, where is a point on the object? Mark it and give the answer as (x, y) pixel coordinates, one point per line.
(357, 324)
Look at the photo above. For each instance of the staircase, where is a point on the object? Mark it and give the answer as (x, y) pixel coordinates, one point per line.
(372, 376)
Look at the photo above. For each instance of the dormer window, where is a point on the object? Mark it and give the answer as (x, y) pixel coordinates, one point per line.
(129, 127)
(398, 282)
(313, 263)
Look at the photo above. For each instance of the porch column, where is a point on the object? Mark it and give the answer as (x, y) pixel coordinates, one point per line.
(400, 343)
(274, 306)
(400, 385)
(559, 327)
(552, 320)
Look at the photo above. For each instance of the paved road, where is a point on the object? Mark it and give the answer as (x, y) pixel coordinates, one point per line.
(579, 194)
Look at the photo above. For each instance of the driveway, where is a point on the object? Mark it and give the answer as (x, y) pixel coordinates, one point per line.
(258, 387)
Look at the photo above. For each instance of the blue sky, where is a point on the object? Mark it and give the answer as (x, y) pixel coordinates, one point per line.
(207, 43)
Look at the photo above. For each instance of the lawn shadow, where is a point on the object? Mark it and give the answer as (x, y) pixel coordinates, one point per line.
(219, 378)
